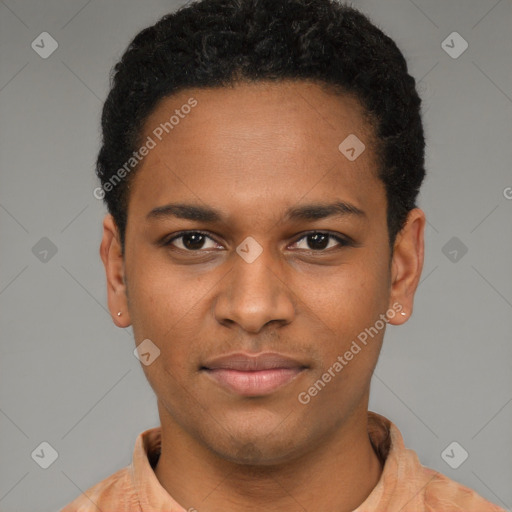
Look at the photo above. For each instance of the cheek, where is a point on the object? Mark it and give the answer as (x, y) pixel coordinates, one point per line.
(353, 338)
(350, 298)
(168, 308)
(160, 300)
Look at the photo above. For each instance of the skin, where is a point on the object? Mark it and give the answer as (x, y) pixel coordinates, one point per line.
(252, 152)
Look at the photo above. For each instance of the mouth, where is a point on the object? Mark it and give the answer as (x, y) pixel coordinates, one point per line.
(250, 375)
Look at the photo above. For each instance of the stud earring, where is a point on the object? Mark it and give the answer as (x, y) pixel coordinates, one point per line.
(119, 313)
(401, 312)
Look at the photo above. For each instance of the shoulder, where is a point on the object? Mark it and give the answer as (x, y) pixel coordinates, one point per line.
(115, 492)
(408, 486)
(443, 493)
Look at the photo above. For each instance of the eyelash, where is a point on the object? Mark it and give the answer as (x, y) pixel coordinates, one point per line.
(343, 242)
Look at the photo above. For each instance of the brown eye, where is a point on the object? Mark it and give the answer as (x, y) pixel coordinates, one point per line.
(319, 241)
(191, 241)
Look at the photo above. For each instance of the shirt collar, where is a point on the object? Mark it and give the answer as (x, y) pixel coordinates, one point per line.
(385, 437)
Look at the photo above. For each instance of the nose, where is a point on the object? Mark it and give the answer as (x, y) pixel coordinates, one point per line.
(255, 294)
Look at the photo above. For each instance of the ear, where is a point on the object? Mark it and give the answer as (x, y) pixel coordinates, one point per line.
(406, 265)
(112, 257)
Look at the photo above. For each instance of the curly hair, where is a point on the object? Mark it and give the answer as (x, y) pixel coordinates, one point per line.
(217, 43)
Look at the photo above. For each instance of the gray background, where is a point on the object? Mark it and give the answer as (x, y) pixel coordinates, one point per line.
(69, 377)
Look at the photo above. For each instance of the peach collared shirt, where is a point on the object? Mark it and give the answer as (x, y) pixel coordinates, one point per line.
(404, 486)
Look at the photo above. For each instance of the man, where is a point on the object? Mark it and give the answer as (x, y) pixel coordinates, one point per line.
(260, 162)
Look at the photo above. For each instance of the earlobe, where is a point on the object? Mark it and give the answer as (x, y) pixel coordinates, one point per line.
(407, 264)
(113, 261)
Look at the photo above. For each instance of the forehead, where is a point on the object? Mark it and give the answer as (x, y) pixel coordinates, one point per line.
(277, 140)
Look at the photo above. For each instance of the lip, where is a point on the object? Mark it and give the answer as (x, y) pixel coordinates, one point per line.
(253, 375)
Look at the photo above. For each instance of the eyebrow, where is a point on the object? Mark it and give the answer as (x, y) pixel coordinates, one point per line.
(309, 212)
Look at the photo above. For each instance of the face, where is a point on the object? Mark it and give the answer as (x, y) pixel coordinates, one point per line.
(250, 232)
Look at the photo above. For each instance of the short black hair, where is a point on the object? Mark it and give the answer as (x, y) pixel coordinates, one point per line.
(219, 43)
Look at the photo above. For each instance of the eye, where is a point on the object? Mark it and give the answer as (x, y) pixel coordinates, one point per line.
(320, 241)
(191, 241)
(195, 241)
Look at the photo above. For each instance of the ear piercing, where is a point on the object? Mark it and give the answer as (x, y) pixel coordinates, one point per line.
(119, 313)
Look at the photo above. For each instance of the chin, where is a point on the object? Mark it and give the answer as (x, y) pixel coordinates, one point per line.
(252, 454)
(255, 448)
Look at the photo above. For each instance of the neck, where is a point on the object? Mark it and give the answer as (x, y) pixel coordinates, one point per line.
(337, 475)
